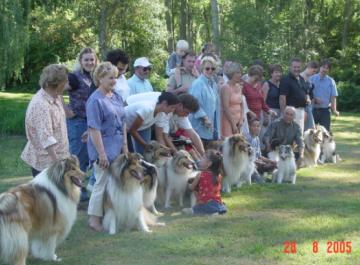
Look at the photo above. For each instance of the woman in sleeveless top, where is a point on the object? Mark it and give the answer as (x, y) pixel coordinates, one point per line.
(232, 101)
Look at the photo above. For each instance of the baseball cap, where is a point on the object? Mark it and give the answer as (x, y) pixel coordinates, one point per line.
(142, 61)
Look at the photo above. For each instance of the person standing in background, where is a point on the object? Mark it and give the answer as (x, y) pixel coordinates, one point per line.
(139, 82)
(325, 94)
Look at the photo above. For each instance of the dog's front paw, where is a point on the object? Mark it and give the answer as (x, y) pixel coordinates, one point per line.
(56, 258)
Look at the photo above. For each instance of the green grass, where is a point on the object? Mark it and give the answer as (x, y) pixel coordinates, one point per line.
(324, 206)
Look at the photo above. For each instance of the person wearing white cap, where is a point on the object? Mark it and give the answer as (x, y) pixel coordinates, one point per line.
(139, 82)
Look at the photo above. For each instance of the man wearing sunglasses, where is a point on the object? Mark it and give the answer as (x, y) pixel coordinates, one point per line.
(139, 82)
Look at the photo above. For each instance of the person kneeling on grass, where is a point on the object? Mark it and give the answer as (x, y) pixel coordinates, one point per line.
(262, 163)
(207, 186)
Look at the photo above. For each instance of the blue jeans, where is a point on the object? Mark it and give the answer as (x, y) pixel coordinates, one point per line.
(146, 135)
(309, 123)
(210, 207)
(76, 127)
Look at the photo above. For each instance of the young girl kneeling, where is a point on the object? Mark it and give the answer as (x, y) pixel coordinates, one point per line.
(207, 185)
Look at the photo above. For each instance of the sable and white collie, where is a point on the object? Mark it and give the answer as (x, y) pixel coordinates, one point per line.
(150, 185)
(328, 147)
(312, 141)
(123, 203)
(235, 160)
(156, 154)
(174, 176)
(286, 166)
(39, 215)
(249, 169)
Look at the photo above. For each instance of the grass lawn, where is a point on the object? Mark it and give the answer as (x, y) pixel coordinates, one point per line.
(323, 206)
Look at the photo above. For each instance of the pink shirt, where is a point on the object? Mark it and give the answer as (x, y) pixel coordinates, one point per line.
(45, 125)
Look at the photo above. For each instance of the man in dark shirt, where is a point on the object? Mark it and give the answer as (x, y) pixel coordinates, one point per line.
(285, 131)
(293, 92)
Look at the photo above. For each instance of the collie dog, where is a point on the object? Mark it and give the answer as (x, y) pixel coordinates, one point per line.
(39, 215)
(328, 147)
(235, 160)
(312, 140)
(150, 185)
(249, 169)
(123, 203)
(156, 153)
(286, 166)
(174, 176)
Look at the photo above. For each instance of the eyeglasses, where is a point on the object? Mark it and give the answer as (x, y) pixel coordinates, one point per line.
(210, 68)
(145, 69)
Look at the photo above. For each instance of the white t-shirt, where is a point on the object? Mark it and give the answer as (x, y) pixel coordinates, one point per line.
(146, 96)
(122, 87)
(144, 109)
(170, 123)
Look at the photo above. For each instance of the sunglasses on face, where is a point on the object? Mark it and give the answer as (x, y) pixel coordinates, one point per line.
(210, 68)
(145, 69)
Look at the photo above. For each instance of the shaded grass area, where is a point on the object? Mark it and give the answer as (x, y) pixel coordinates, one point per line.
(323, 206)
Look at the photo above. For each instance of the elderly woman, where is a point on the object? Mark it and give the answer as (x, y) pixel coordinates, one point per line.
(45, 123)
(206, 121)
(107, 129)
(232, 100)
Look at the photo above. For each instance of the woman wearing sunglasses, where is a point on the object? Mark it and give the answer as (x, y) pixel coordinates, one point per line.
(206, 121)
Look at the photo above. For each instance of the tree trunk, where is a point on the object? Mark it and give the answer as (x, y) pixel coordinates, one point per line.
(189, 27)
(102, 30)
(183, 19)
(169, 25)
(347, 16)
(215, 23)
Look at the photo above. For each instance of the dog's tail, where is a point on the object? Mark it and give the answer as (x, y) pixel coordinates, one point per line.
(13, 236)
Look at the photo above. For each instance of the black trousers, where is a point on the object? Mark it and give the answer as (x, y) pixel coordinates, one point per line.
(323, 117)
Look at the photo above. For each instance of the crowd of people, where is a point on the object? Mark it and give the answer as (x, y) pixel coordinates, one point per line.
(205, 101)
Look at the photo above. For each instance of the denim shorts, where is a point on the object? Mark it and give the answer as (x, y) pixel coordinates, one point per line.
(210, 207)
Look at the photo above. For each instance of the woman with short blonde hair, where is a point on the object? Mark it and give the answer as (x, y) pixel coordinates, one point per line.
(107, 129)
(45, 124)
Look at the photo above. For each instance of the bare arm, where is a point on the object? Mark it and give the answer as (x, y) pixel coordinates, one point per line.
(196, 141)
(134, 130)
(125, 144)
(265, 89)
(193, 185)
(282, 101)
(95, 136)
(164, 138)
(333, 106)
(51, 151)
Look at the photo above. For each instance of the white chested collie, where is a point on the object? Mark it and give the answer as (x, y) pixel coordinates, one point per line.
(286, 166)
(150, 185)
(328, 147)
(235, 160)
(312, 141)
(123, 205)
(174, 176)
(40, 214)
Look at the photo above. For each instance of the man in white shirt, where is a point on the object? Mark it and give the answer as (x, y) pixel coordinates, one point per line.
(121, 60)
(173, 123)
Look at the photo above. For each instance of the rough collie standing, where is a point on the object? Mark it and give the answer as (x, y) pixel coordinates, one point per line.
(235, 160)
(40, 214)
(174, 176)
(156, 153)
(312, 140)
(286, 166)
(123, 203)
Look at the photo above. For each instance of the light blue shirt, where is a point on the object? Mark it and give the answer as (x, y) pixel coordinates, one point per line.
(324, 89)
(207, 93)
(138, 85)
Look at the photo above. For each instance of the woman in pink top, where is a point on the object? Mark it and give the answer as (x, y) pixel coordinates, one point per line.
(232, 102)
(45, 122)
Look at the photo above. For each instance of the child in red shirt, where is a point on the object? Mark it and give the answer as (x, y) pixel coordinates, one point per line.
(207, 185)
